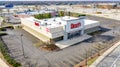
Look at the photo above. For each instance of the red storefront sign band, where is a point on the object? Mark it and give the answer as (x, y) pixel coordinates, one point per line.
(47, 29)
(38, 24)
(75, 25)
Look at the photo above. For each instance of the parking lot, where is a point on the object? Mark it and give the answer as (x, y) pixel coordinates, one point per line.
(63, 58)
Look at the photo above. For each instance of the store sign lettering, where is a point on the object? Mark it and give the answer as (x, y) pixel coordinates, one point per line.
(37, 24)
(75, 25)
(47, 29)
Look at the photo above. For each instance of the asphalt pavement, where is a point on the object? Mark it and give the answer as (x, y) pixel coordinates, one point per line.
(41, 57)
(63, 58)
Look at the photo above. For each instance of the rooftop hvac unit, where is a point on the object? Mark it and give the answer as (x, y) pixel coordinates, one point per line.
(59, 22)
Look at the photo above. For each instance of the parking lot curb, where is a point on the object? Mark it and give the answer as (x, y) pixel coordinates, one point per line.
(3, 64)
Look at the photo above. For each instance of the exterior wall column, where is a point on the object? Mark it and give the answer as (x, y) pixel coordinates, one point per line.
(65, 36)
(82, 31)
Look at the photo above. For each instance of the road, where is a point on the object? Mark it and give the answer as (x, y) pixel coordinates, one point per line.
(112, 60)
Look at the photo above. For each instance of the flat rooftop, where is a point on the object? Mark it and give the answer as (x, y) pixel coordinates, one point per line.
(61, 21)
(88, 22)
(57, 21)
(68, 18)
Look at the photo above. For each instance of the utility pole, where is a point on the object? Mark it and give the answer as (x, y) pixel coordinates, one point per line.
(114, 29)
(22, 45)
(99, 48)
(86, 56)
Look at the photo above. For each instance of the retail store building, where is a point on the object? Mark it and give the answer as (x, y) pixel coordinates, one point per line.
(59, 28)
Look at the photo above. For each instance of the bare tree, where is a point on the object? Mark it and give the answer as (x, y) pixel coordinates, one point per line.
(87, 54)
(98, 47)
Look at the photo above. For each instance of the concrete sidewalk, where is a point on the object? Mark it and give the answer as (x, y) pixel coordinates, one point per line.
(3, 64)
(69, 42)
(105, 54)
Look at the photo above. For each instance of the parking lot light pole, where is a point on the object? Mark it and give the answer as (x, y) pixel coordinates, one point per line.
(22, 45)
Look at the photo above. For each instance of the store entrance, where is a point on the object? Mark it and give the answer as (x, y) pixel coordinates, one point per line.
(74, 34)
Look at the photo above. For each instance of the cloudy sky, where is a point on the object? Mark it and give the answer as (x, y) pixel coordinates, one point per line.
(59, 0)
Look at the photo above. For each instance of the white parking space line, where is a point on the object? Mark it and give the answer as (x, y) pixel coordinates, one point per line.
(113, 64)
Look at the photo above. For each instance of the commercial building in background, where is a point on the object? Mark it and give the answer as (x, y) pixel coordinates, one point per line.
(13, 17)
(58, 28)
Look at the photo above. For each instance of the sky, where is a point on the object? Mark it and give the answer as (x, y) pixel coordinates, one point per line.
(59, 0)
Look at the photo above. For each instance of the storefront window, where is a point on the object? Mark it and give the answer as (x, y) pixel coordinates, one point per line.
(74, 34)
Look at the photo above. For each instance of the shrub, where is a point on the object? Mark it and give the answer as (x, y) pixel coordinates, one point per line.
(10, 27)
(2, 29)
(43, 16)
(2, 33)
(61, 13)
(81, 15)
(50, 46)
(98, 12)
